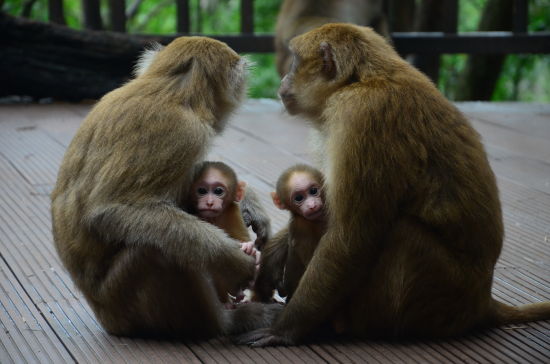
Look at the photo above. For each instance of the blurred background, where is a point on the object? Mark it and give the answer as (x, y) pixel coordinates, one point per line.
(519, 77)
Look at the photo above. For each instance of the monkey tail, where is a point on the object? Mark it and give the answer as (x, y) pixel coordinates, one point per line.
(502, 314)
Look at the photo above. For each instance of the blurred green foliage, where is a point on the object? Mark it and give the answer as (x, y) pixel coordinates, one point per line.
(524, 77)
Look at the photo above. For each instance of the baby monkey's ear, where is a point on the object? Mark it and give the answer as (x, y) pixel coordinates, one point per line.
(241, 191)
(277, 201)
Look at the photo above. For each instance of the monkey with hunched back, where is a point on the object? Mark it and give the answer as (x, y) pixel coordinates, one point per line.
(120, 226)
(414, 225)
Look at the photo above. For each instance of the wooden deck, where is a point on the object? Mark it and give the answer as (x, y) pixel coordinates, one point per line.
(44, 319)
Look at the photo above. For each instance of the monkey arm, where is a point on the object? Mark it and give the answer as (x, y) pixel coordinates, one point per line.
(272, 264)
(255, 215)
(192, 242)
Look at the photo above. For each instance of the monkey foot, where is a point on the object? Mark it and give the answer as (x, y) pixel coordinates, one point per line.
(261, 338)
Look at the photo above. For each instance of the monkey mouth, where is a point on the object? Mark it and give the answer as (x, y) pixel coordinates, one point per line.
(315, 215)
(290, 104)
(209, 213)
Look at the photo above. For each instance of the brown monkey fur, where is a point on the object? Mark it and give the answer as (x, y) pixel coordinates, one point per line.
(299, 16)
(144, 265)
(286, 256)
(415, 225)
(228, 216)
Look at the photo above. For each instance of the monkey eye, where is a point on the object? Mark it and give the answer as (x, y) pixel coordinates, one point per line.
(313, 191)
(299, 198)
(202, 191)
(219, 191)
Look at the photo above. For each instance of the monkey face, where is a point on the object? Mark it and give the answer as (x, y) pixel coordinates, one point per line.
(329, 58)
(311, 79)
(212, 193)
(305, 196)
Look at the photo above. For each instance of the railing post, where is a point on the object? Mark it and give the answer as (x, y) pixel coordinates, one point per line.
(117, 15)
(55, 12)
(92, 16)
(182, 13)
(521, 15)
(247, 16)
(450, 21)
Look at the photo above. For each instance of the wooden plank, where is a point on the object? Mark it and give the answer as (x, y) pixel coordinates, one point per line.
(247, 16)
(25, 335)
(259, 143)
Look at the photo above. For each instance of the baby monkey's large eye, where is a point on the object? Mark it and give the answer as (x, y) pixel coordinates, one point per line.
(219, 191)
(313, 191)
(201, 191)
(298, 198)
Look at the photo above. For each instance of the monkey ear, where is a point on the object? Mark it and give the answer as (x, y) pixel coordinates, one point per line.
(146, 58)
(240, 192)
(184, 67)
(277, 201)
(329, 64)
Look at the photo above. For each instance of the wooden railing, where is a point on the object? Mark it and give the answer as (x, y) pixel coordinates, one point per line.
(446, 40)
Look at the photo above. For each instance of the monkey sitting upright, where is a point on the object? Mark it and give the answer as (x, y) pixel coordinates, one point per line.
(286, 256)
(414, 218)
(119, 208)
(215, 195)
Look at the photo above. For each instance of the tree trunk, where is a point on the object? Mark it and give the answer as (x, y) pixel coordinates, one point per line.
(50, 60)
(478, 80)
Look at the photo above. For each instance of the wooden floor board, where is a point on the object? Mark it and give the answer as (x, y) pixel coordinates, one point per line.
(43, 318)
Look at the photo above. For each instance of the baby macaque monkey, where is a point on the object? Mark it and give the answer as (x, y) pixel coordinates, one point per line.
(286, 256)
(215, 196)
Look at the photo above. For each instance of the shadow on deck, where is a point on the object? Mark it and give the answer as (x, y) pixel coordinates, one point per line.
(44, 319)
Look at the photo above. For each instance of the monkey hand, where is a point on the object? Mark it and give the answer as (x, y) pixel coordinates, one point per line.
(254, 215)
(263, 337)
(248, 248)
(238, 267)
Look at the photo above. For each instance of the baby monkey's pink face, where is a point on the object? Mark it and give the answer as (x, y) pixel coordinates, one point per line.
(305, 196)
(212, 193)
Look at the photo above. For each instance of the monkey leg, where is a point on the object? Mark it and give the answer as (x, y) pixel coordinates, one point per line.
(420, 287)
(250, 316)
(146, 293)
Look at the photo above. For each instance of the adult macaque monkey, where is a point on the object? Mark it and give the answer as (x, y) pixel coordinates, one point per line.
(144, 265)
(299, 16)
(286, 256)
(415, 225)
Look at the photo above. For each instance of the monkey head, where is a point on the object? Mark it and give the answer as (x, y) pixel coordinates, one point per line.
(202, 73)
(328, 58)
(299, 190)
(214, 189)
